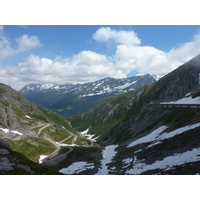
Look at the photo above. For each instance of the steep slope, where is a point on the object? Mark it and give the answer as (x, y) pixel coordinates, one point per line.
(144, 136)
(136, 104)
(14, 163)
(69, 100)
(32, 130)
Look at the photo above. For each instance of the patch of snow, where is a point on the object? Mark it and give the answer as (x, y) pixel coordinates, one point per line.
(121, 87)
(148, 138)
(153, 144)
(157, 77)
(85, 131)
(167, 163)
(88, 136)
(185, 100)
(127, 162)
(178, 131)
(188, 94)
(156, 137)
(108, 153)
(42, 157)
(138, 151)
(107, 89)
(16, 132)
(5, 130)
(77, 167)
(57, 87)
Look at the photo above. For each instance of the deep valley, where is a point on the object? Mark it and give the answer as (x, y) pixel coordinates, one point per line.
(106, 127)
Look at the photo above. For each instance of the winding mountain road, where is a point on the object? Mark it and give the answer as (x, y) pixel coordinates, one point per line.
(57, 159)
(53, 158)
(42, 128)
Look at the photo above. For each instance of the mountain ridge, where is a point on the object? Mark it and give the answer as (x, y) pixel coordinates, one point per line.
(68, 99)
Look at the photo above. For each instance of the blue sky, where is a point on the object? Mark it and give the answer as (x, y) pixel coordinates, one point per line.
(78, 54)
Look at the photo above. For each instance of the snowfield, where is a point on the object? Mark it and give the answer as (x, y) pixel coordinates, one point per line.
(167, 163)
(108, 153)
(185, 100)
(77, 167)
(157, 135)
(149, 138)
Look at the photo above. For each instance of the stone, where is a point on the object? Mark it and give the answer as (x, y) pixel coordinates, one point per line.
(4, 152)
(6, 165)
(4, 143)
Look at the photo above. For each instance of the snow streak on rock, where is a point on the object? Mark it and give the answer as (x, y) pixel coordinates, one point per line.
(77, 167)
(150, 137)
(108, 155)
(5, 130)
(185, 100)
(42, 157)
(167, 163)
(157, 136)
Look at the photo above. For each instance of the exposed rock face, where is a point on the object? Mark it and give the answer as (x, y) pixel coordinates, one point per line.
(14, 109)
(178, 83)
(6, 165)
(4, 152)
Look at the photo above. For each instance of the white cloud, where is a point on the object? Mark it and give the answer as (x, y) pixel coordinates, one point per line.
(89, 66)
(5, 48)
(24, 43)
(122, 37)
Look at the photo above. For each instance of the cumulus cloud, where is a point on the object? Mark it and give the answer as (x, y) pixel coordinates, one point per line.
(122, 37)
(83, 67)
(24, 43)
(89, 66)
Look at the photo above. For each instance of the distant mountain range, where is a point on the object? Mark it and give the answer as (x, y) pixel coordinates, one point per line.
(68, 99)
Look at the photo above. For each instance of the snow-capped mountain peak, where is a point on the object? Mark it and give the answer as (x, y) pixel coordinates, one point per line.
(106, 85)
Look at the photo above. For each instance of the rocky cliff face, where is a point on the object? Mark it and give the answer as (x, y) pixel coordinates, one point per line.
(178, 83)
(22, 122)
